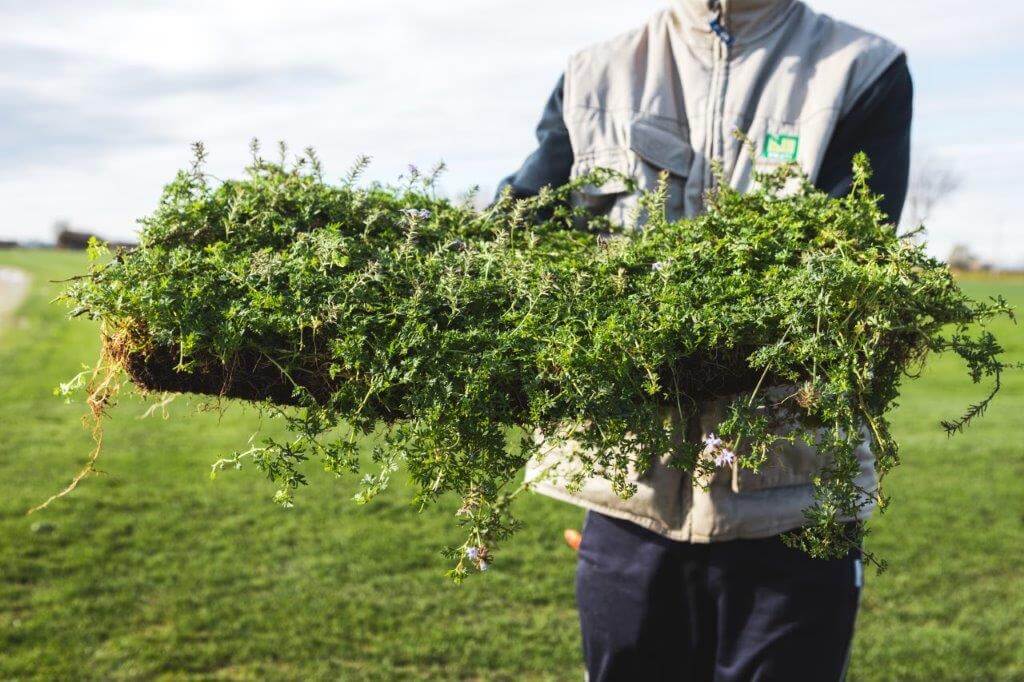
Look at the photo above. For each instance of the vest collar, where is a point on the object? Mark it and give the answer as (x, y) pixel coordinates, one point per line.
(739, 21)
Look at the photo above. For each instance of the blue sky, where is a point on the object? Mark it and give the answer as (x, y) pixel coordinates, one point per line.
(99, 99)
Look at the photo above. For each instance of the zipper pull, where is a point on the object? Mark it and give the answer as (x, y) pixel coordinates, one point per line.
(719, 28)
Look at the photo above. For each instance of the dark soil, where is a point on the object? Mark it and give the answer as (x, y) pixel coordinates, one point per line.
(252, 376)
(249, 376)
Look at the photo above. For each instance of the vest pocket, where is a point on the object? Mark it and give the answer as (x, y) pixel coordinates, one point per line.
(665, 149)
(642, 149)
(661, 151)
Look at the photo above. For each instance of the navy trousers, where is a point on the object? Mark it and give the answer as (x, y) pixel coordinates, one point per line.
(744, 610)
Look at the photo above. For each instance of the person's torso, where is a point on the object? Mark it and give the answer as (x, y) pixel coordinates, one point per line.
(674, 96)
(671, 96)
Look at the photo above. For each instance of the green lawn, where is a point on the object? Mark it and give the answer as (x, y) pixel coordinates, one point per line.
(154, 571)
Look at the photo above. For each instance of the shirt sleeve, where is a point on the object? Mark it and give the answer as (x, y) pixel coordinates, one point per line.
(551, 163)
(879, 125)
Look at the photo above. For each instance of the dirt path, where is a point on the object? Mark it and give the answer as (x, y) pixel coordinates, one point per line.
(13, 288)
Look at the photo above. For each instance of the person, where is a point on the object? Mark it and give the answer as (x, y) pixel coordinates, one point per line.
(684, 581)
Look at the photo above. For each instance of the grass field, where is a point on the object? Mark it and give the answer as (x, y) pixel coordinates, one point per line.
(155, 572)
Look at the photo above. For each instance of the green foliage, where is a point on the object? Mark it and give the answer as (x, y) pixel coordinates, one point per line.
(442, 328)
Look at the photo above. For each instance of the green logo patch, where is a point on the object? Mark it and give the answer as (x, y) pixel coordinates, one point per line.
(780, 147)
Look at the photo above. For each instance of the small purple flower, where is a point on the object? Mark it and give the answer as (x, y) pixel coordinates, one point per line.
(658, 266)
(417, 213)
(725, 457)
(712, 442)
(472, 553)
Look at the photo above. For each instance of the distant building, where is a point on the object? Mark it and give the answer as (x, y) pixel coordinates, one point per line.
(77, 240)
(70, 239)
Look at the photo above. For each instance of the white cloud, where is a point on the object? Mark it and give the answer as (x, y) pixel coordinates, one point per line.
(101, 97)
(935, 28)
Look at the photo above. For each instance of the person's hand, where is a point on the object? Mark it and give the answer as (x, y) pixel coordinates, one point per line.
(573, 538)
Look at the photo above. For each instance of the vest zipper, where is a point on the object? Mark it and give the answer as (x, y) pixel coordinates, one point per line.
(717, 24)
(716, 96)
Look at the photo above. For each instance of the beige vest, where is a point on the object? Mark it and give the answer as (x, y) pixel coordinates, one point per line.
(668, 97)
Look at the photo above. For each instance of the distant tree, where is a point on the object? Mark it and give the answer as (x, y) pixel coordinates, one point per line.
(931, 182)
(962, 258)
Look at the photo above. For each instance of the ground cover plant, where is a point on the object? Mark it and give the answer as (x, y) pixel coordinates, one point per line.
(346, 310)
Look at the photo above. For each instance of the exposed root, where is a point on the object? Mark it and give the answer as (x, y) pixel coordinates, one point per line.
(87, 470)
(102, 388)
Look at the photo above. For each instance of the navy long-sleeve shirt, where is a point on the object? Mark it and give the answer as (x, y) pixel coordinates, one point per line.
(877, 124)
